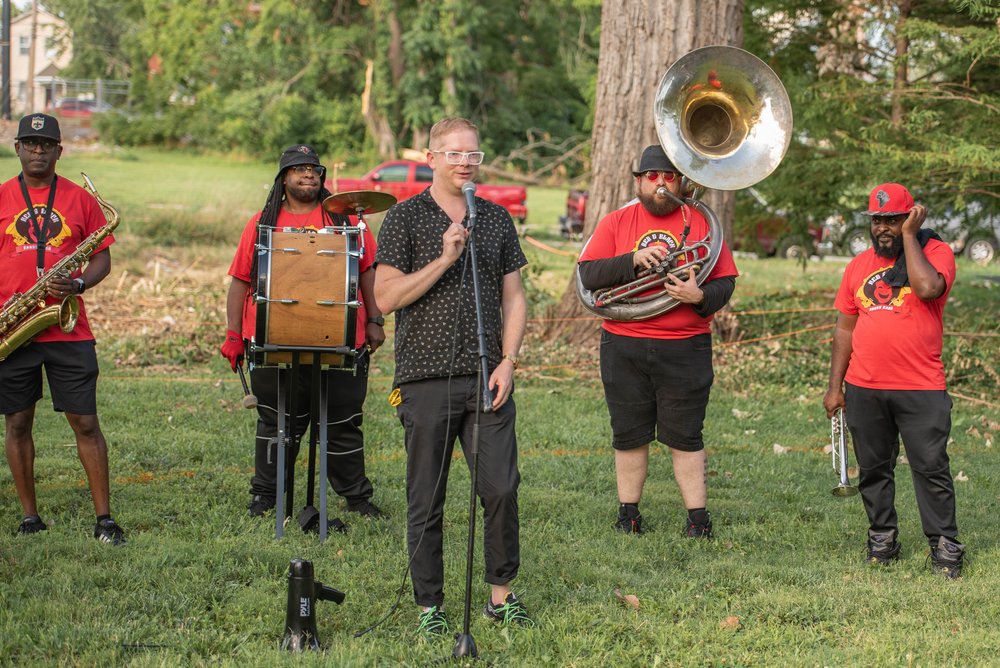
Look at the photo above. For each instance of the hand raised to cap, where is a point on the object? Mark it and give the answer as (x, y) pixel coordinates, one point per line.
(915, 220)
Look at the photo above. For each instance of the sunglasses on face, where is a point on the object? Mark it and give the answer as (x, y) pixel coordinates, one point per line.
(32, 143)
(653, 175)
(302, 170)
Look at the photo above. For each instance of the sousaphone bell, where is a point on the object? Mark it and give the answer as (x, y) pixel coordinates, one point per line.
(724, 120)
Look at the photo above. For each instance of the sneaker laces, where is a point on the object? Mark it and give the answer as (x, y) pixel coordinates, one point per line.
(433, 622)
(511, 611)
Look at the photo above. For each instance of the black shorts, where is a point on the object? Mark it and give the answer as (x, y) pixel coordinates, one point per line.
(657, 387)
(70, 367)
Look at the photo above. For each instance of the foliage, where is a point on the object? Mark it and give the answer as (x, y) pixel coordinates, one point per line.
(202, 584)
(861, 119)
(103, 36)
(256, 77)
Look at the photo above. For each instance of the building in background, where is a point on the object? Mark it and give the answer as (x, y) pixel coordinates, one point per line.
(40, 48)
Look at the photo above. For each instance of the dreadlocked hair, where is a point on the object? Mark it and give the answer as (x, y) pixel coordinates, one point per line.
(269, 217)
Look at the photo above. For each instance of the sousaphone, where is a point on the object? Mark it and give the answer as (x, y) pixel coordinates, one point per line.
(724, 120)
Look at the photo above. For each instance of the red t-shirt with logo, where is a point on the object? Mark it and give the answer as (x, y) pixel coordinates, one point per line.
(75, 216)
(897, 340)
(314, 220)
(631, 228)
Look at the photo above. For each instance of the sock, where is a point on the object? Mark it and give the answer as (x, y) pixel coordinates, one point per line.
(101, 518)
(628, 509)
(698, 516)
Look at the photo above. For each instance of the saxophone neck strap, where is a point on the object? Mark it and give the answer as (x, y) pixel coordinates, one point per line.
(39, 220)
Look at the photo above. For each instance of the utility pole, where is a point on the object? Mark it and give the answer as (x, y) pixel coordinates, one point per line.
(31, 57)
(5, 54)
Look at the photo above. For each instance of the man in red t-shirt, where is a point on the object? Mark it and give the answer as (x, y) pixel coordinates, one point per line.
(43, 218)
(657, 373)
(295, 202)
(887, 353)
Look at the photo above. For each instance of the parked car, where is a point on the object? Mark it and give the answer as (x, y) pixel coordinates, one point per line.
(405, 178)
(971, 232)
(774, 237)
(571, 224)
(71, 107)
(771, 237)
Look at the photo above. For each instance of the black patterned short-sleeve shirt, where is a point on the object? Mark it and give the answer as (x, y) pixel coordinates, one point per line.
(441, 324)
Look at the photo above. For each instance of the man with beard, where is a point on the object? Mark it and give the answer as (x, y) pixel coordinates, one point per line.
(295, 202)
(887, 375)
(657, 373)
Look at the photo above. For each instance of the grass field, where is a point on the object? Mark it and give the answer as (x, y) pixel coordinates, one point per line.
(201, 584)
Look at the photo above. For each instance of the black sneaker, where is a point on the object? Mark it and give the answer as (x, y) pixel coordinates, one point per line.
(433, 622)
(883, 548)
(108, 531)
(511, 611)
(259, 505)
(31, 524)
(629, 519)
(947, 558)
(367, 509)
(699, 529)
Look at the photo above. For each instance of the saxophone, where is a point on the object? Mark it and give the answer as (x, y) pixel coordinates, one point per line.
(25, 315)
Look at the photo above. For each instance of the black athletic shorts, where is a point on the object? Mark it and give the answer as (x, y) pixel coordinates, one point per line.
(71, 370)
(657, 387)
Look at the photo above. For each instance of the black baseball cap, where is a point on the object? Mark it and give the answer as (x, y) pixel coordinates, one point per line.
(300, 154)
(39, 125)
(653, 159)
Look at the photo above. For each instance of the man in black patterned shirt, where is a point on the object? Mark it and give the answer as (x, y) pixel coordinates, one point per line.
(424, 276)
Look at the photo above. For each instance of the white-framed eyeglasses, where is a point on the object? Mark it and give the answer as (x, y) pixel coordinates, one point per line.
(458, 157)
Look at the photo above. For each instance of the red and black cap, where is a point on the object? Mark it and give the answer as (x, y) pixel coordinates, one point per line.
(889, 199)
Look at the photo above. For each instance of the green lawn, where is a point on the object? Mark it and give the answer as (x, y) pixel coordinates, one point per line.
(201, 584)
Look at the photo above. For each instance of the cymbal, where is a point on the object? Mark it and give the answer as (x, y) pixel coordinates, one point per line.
(369, 201)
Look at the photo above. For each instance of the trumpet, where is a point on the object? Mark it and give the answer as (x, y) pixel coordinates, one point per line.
(838, 450)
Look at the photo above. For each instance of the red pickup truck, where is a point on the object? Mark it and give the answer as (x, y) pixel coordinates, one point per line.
(405, 178)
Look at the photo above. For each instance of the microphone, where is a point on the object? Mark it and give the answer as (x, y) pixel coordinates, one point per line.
(469, 189)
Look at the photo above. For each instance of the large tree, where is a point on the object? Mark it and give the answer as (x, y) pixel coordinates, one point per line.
(639, 41)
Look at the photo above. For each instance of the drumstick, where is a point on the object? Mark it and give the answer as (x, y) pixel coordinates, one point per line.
(249, 400)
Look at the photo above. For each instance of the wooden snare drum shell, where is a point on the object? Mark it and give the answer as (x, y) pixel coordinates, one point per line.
(307, 295)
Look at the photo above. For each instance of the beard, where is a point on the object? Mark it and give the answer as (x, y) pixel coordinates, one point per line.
(657, 206)
(892, 251)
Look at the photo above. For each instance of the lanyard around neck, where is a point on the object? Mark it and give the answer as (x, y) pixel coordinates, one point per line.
(40, 227)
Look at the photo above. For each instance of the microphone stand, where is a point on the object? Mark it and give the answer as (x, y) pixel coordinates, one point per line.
(465, 645)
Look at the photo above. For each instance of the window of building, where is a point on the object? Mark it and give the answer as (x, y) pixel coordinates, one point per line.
(25, 43)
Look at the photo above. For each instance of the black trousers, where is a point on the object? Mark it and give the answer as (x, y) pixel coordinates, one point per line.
(434, 413)
(877, 419)
(346, 451)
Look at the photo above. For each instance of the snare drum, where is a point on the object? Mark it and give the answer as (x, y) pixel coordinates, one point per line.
(307, 296)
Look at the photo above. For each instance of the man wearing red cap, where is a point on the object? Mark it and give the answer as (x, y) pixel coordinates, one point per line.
(887, 375)
(657, 373)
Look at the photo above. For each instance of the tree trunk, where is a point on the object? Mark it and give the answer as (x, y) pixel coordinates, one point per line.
(378, 126)
(639, 41)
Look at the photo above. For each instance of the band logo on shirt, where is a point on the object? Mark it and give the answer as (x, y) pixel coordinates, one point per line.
(877, 295)
(22, 229)
(658, 238)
